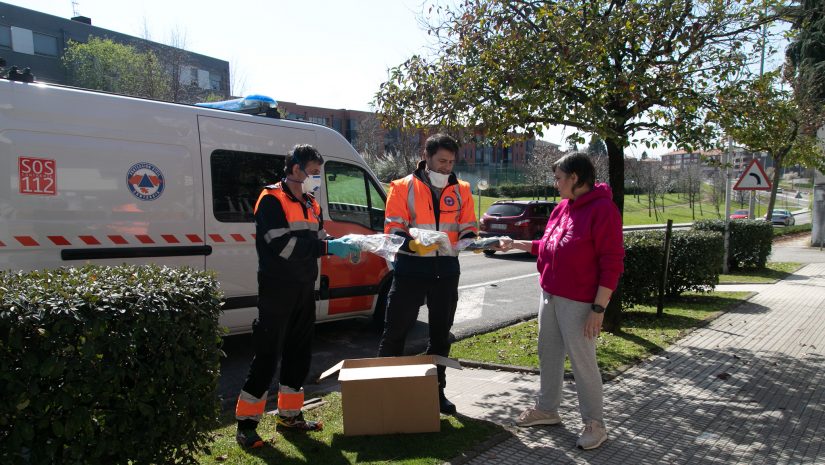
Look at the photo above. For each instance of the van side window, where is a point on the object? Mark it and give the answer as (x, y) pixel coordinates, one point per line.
(237, 181)
(353, 196)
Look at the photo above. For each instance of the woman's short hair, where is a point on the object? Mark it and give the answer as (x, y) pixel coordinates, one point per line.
(580, 165)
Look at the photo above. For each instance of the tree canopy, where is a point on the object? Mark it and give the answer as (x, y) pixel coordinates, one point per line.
(806, 60)
(765, 118)
(102, 64)
(611, 68)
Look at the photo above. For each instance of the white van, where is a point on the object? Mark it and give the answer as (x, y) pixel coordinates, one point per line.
(90, 177)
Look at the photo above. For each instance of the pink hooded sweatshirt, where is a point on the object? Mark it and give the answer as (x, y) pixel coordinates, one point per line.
(582, 247)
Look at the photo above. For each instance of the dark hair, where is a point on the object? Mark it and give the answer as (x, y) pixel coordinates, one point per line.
(440, 141)
(580, 165)
(302, 154)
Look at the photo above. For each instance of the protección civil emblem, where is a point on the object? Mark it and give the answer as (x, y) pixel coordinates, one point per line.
(145, 181)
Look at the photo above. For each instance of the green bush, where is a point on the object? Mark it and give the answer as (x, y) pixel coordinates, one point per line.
(694, 265)
(109, 365)
(750, 241)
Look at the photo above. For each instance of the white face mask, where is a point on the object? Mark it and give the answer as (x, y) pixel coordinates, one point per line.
(437, 179)
(311, 184)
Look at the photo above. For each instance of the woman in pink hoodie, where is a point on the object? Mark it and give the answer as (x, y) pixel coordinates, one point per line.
(580, 258)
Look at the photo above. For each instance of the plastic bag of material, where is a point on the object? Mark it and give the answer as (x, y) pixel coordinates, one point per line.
(428, 237)
(383, 245)
(479, 243)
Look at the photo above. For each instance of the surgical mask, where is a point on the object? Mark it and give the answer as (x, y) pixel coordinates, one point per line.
(437, 179)
(311, 184)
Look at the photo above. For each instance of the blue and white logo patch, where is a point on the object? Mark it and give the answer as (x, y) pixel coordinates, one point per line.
(449, 201)
(145, 181)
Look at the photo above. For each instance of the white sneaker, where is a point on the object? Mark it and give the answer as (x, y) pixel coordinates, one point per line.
(593, 435)
(534, 416)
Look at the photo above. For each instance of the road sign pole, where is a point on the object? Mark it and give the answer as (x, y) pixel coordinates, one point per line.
(727, 207)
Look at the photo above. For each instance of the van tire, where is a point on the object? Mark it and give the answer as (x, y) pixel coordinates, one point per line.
(489, 253)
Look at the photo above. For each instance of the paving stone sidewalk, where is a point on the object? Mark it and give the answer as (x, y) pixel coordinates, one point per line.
(747, 388)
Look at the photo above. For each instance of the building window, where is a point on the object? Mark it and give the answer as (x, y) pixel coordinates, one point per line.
(45, 45)
(295, 116)
(193, 76)
(214, 81)
(5, 36)
(318, 120)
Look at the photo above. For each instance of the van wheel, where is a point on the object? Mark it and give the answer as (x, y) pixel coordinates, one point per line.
(377, 323)
(489, 253)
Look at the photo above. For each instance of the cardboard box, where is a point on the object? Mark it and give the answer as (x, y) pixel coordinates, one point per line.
(390, 395)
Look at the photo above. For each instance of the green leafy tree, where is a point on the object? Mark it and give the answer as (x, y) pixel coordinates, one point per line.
(606, 67)
(102, 64)
(806, 59)
(765, 118)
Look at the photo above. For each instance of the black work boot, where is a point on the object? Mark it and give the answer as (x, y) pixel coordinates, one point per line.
(445, 406)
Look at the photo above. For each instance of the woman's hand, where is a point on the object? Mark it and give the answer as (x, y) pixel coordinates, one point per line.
(593, 326)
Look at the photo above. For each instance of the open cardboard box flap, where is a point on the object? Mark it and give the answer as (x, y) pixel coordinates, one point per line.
(388, 366)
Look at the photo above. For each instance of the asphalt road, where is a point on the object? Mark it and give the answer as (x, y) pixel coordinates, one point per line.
(493, 291)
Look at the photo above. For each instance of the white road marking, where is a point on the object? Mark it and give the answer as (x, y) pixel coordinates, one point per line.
(470, 286)
(469, 306)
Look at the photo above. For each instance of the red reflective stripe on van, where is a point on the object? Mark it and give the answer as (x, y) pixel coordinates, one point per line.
(28, 241)
(89, 240)
(194, 238)
(170, 238)
(59, 240)
(2, 244)
(216, 237)
(119, 240)
(144, 239)
(254, 236)
(238, 237)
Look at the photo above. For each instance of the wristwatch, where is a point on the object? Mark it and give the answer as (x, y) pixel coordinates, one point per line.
(597, 308)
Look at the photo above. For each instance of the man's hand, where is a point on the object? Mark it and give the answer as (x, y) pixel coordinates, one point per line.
(421, 249)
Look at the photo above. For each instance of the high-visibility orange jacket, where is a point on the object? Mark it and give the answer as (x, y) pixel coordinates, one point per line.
(413, 203)
(289, 234)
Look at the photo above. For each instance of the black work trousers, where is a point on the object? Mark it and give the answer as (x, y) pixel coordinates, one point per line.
(282, 333)
(406, 296)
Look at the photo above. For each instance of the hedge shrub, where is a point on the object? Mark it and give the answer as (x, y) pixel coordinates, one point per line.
(750, 241)
(694, 265)
(109, 365)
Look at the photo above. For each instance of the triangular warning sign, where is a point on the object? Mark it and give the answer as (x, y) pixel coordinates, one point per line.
(753, 178)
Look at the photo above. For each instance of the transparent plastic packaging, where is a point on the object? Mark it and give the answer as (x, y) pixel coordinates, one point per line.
(383, 245)
(480, 243)
(428, 237)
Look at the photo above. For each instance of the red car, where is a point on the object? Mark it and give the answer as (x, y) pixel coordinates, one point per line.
(739, 215)
(517, 219)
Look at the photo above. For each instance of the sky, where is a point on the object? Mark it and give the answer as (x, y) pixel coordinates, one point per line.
(325, 53)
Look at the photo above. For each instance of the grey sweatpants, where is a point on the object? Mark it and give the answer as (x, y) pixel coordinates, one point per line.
(561, 332)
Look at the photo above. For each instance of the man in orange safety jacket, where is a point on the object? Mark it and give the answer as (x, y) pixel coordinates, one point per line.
(289, 239)
(431, 198)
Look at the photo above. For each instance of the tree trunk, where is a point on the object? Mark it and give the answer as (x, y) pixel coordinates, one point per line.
(778, 161)
(615, 155)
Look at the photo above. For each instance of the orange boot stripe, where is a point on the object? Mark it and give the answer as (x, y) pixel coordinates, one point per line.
(290, 401)
(249, 409)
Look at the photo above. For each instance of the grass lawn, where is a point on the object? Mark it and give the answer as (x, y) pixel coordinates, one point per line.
(642, 335)
(773, 271)
(330, 446)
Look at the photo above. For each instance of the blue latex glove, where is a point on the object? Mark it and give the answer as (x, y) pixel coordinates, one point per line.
(342, 248)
